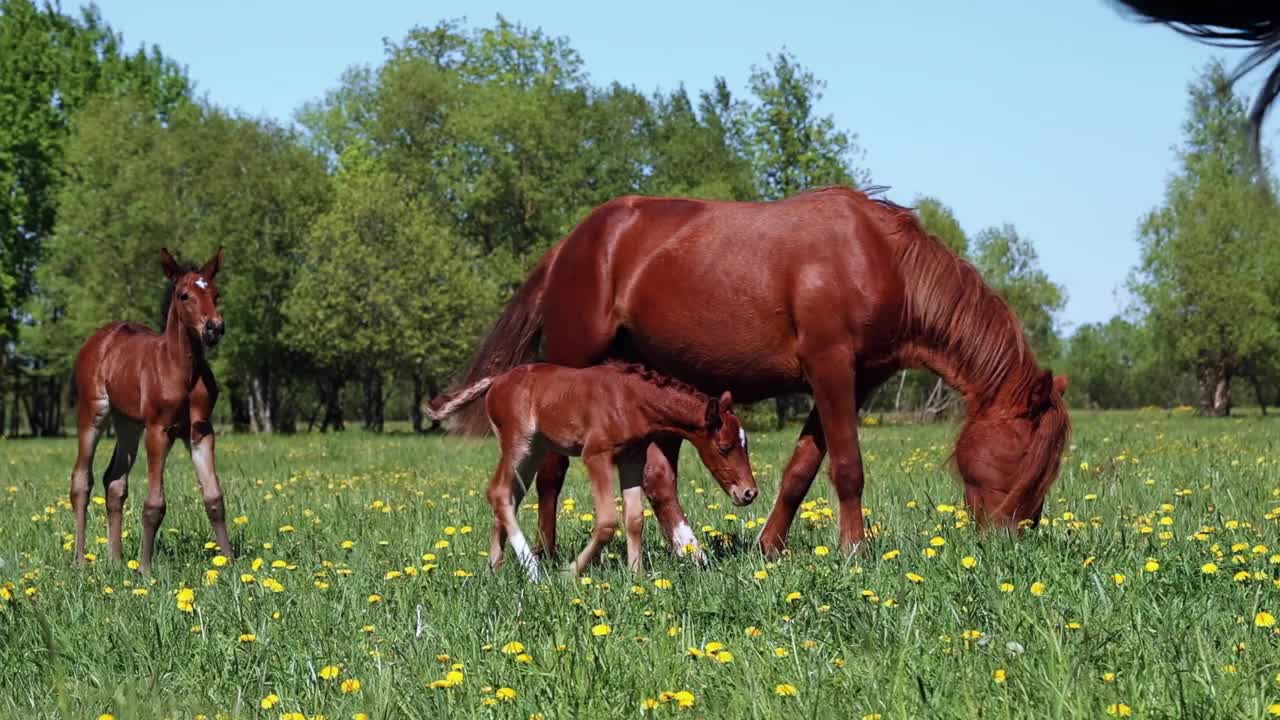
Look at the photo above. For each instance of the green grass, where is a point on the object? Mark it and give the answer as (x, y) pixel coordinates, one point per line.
(1180, 642)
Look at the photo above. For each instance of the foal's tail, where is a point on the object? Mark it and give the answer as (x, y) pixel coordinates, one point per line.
(450, 403)
(512, 341)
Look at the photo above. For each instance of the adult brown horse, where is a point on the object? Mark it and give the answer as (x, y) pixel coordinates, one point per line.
(829, 291)
(157, 386)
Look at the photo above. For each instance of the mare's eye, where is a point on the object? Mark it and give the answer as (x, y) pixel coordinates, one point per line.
(725, 450)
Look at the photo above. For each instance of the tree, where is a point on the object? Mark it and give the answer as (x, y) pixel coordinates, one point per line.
(202, 179)
(1009, 264)
(50, 65)
(385, 288)
(1209, 267)
(791, 147)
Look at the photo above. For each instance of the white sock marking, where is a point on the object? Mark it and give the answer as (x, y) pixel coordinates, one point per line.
(683, 541)
(527, 559)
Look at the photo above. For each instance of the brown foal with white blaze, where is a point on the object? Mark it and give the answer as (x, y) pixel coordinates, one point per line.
(157, 387)
(607, 414)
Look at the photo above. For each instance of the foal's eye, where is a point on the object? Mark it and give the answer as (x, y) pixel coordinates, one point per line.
(184, 297)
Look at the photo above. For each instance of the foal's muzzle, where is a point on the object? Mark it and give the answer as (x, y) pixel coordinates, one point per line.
(213, 332)
(743, 496)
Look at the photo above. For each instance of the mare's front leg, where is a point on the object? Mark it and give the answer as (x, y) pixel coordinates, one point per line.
(159, 442)
(803, 466)
(90, 419)
(662, 458)
(200, 445)
(600, 473)
(831, 376)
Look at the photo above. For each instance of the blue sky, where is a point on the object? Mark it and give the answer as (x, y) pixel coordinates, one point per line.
(1067, 132)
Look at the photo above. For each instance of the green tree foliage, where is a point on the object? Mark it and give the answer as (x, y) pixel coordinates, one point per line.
(791, 147)
(50, 65)
(938, 220)
(1115, 365)
(1010, 265)
(385, 288)
(200, 180)
(1209, 275)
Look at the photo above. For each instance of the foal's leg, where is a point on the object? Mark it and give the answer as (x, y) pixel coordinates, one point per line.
(662, 459)
(501, 496)
(600, 472)
(116, 480)
(520, 481)
(550, 482)
(158, 443)
(200, 445)
(89, 422)
(811, 447)
(631, 478)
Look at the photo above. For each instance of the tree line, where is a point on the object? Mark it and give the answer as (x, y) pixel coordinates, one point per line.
(372, 241)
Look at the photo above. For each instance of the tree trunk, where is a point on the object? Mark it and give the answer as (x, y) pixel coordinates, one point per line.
(937, 403)
(415, 409)
(260, 402)
(1257, 393)
(331, 391)
(897, 398)
(373, 401)
(1215, 389)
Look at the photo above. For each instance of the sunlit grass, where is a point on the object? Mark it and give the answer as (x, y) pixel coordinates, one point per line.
(360, 586)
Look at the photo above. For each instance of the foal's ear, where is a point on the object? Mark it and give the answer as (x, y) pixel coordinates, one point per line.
(713, 415)
(171, 268)
(212, 267)
(1060, 385)
(726, 402)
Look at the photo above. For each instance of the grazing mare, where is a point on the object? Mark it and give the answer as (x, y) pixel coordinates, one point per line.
(830, 292)
(608, 415)
(153, 386)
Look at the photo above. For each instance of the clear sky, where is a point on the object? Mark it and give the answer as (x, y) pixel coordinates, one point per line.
(1056, 116)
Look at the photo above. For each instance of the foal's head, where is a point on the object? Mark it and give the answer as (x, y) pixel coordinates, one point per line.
(722, 444)
(195, 297)
(1009, 455)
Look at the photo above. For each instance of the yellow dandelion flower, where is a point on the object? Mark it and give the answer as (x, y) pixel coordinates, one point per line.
(186, 599)
(375, 598)
(1151, 566)
(329, 672)
(793, 596)
(1007, 587)
(1273, 709)
(1118, 578)
(1108, 677)
(248, 638)
(600, 630)
(781, 652)
(753, 631)
(821, 550)
(760, 574)
(505, 694)
(684, 699)
(968, 562)
(1264, 619)
(937, 541)
(1119, 710)
(269, 701)
(891, 555)
(662, 584)
(784, 690)
(999, 676)
(513, 648)
(1038, 589)
(350, 686)
(913, 577)
(524, 658)
(1209, 568)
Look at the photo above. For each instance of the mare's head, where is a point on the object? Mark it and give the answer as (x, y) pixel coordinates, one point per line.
(722, 444)
(195, 297)
(1008, 452)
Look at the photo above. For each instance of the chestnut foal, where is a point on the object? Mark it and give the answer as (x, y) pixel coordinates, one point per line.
(157, 386)
(607, 414)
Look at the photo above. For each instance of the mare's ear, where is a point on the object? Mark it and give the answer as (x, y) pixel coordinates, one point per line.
(726, 402)
(713, 415)
(211, 268)
(171, 268)
(1060, 385)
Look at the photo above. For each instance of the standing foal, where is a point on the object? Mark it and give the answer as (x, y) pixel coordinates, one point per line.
(607, 414)
(153, 385)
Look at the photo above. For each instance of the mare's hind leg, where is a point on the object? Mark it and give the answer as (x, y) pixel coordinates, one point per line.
(631, 479)
(550, 482)
(92, 416)
(600, 472)
(159, 443)
(116, 480)
(661, 462)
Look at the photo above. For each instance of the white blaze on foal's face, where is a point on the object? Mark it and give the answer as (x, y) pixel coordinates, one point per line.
(742, 436)
(202, 283)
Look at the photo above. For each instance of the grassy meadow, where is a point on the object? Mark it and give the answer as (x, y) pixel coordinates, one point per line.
(360, 590)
